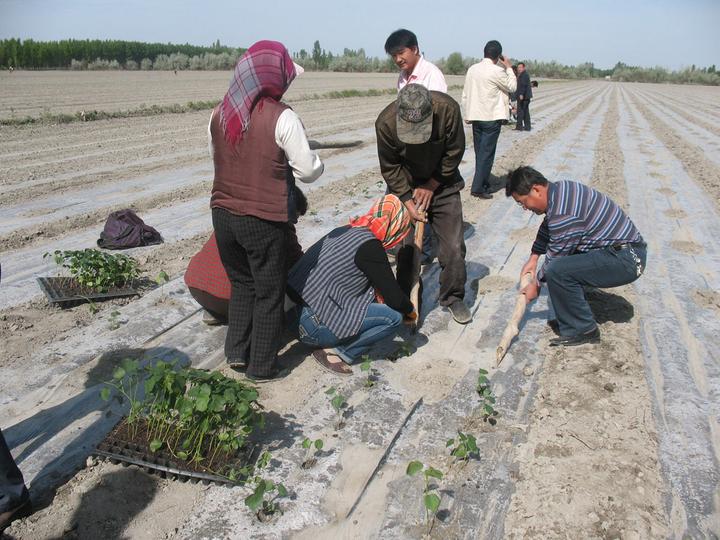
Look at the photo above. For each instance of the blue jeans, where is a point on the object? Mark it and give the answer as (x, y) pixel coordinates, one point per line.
(602, 268)
(380, 322)
(485, 137)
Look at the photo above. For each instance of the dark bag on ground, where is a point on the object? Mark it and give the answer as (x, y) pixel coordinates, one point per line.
(125, 229)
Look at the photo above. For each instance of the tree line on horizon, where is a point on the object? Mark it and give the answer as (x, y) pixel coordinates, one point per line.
(133, 55)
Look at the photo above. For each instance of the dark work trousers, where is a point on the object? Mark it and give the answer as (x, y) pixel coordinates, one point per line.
(523, 114)
(12, 485)
(602, 268)
(446, 221)
(485, 137)
(253, 252)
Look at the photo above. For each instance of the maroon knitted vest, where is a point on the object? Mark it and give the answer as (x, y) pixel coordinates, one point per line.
(251, 176)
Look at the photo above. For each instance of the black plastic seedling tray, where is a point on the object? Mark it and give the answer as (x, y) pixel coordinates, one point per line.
(64, 291)
(126, 453)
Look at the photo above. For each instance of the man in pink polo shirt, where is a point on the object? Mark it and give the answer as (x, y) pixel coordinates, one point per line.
(402, 45)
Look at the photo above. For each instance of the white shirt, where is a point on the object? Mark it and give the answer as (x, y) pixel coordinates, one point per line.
(485, 94)
(290, 136)
(425, 74)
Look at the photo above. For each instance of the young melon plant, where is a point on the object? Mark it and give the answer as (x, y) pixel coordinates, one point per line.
(264, 498)
(97, 270)
(487, 399)
(431, 496)
(312, 451)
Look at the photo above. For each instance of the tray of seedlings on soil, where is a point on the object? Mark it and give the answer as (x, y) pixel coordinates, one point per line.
(183, 423)
(94, 275)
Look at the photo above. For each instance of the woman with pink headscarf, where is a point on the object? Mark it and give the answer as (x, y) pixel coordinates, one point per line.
(259, 149)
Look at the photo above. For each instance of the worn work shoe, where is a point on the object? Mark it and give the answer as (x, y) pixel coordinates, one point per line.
(23, 509)
(460, 312)
(275, 375)
(211, 320)
(482, 195)
(236, 363)
(593, 336)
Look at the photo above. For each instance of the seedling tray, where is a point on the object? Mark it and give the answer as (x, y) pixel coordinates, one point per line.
(163, 464)
(65, 291)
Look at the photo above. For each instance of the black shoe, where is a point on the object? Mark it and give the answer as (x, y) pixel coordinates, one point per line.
(481, 195)
(23, 509)
(275, 375)
(518, 129)
(236, 363)
(460, 312)
(554, 326)
(528, 129)
(580, 339)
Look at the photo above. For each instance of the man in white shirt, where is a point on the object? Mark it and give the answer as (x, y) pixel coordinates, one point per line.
(402, 46)
(485, 100)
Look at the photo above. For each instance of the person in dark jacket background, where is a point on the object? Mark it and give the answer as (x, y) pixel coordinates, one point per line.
(524, 95)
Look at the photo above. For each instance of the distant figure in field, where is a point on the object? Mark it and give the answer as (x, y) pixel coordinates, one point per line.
(524, 94)
(402, 46)
(587, 240)
(486, 103)
(259, 150)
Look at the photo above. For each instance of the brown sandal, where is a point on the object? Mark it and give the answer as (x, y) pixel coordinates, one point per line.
(338, 368)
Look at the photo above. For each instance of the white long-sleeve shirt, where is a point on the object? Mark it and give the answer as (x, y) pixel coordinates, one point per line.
(485, 94)
(290, 136)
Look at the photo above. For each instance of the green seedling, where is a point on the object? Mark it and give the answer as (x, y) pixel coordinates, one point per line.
(194, 415)
(431, 496)
(312, 451)
(405, 349)
(263, 499)
(366, 367)
(463, 447)
(487, 399)
(338, 403)
(97, 270)
(114, 323)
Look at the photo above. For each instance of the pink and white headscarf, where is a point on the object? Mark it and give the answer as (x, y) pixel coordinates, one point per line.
(264, 71)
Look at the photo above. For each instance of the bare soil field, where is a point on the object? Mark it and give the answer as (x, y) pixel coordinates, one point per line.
(615, 440)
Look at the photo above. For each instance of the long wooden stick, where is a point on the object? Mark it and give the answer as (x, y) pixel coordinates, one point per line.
(512, 330)
(417, 259)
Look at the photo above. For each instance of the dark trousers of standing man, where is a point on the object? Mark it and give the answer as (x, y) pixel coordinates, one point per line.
(12, 485)
(446, 221)
(523, 114)
(567, 276)
(253, 252)
(485, 137)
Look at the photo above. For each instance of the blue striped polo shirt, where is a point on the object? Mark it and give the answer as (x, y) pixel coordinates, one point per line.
(579, 219)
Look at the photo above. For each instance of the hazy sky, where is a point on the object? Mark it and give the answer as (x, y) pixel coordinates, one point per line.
(672, 34)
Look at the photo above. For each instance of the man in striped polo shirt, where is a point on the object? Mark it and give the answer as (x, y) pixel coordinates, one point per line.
(587, 240)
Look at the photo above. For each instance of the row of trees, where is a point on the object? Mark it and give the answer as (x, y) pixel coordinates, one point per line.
(132, 55)
(30, 54)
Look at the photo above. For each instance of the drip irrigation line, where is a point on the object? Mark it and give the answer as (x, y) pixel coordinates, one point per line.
(384, 457)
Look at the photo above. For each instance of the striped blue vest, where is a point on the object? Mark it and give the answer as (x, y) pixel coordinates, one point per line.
(330, 283)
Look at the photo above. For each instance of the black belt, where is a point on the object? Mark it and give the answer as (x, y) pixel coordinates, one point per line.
(628, 245)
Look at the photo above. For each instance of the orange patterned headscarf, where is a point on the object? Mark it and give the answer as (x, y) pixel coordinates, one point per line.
(388, 220)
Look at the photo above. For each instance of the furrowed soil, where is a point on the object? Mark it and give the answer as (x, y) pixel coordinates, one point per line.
(615, 440)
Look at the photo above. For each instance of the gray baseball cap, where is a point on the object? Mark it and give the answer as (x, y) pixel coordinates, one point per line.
(414, 114)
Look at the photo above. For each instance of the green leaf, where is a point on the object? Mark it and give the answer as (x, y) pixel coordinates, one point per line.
(413, 468)
(105, 394)
(330, 391)
(432, 502)
(155, 445)
(118, 373)
(306, 443)
(449, 442)
(182, 455)
(319, 444)
(432, 471)
(254, 501)
(282, 490)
